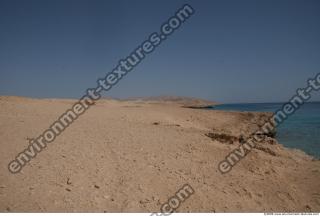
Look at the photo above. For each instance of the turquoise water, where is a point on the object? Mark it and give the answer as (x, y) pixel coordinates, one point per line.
(301, 130)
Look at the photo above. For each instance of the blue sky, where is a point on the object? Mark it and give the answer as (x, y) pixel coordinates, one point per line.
(228, 51)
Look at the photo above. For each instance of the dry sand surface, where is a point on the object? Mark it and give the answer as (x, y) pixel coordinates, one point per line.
(129, 156)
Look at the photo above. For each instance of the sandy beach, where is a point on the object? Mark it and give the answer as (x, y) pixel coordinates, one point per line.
(132, 156)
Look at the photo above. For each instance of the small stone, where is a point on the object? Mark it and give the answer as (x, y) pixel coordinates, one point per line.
(308, 208)
(96, 186)
(68, 181)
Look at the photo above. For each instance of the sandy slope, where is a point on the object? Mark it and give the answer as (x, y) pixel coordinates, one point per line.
(132, 157)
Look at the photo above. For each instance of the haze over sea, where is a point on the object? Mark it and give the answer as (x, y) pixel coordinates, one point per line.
(301, 130)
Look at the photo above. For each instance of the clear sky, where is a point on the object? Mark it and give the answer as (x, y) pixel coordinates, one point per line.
(228, 51)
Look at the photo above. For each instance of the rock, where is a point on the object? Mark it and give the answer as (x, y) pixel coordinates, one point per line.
(223, 138)
(69, 182)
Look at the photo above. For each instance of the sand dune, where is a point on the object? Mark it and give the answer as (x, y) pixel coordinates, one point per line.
(132, 156)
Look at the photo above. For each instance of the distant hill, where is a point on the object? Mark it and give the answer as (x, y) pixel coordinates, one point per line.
(189, 102)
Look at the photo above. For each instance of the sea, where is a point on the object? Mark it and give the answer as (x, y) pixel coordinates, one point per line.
(301, 130)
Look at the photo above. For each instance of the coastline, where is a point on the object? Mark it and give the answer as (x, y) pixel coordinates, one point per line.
(138, 152)
(297, 132)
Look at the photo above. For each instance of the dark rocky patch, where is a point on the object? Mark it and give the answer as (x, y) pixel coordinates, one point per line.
(224, 138)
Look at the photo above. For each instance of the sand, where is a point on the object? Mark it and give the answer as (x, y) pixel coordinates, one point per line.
(132, 156)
